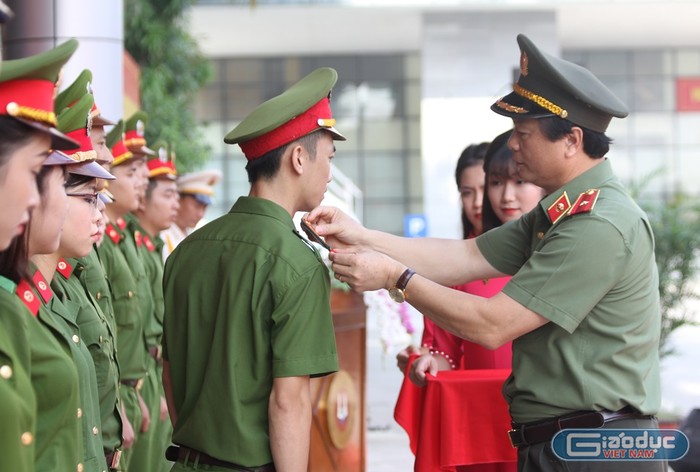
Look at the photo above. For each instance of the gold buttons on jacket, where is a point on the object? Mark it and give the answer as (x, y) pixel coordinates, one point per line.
(75, 339)
(27, 438)
(540, 235)
(95, 430)
(131, 294)
(80, 468)
(98, 295)
(80, 412)
(6, 372)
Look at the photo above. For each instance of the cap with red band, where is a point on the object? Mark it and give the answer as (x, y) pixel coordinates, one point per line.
(74, 92)
(115, 142)
(27, 88)
(298, 111)
(164, 164)
(135, 134)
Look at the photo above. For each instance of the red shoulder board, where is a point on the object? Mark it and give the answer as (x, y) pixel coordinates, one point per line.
(121, 223)
(26, 294)
(42, 286)
(585, 202)
(113, 234)
(138, 237)
(559, 208)
(149, 244)
(64, 268)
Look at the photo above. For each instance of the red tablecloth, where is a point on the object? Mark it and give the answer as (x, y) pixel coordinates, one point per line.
(459, 419)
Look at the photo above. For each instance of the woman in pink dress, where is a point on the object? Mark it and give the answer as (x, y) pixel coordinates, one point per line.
(491, 196)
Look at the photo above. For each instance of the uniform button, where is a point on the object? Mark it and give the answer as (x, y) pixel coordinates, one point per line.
(80, 468)
(76, 339)
(80, 412)
(540, 235)
(98, 295)
(131, 294)
(27, 438)
(6, 372)
(101, 338)
(95, 430)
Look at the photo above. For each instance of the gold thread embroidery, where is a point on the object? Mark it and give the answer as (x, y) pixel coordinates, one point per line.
(33, 114)
(541, 101)
(509, 107)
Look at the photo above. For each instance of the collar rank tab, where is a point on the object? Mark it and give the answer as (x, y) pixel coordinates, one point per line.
(42, 286)
(64, 268)
(585, 202)
(149, 244)
(138, 237)
(121, 223)
(113, 234)
(559, 208)
(26, 294)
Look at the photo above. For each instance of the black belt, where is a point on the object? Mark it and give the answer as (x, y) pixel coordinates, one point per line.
(533, 433)
(133, 383)
(186, 455)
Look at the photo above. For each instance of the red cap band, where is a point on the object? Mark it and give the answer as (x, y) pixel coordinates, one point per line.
(157, 167)
(295, 128)
(32, 99)
(133, 139)
(80, 135)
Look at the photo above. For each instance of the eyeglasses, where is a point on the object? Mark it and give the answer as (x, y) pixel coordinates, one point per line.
(89, 198)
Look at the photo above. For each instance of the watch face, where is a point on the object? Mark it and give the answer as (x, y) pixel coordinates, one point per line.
(397, 295)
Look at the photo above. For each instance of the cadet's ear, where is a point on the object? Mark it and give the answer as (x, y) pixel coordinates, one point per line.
(296, 158)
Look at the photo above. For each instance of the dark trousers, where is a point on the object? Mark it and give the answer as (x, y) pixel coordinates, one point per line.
(541, 458)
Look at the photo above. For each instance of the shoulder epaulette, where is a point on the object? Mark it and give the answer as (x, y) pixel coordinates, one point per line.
(26, 294)
(585, 202)
(113, 234)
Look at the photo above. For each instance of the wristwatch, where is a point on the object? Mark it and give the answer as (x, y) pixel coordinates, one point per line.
(398, 291)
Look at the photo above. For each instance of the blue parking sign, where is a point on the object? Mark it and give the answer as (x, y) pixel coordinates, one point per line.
(415, 226)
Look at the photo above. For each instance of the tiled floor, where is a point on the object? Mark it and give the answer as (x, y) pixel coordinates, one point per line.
(388, 451)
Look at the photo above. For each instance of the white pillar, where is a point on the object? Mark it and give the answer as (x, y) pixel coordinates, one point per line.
(39, 25)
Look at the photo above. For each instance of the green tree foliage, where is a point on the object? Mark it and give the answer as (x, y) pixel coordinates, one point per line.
(173, 70)
(675, 221)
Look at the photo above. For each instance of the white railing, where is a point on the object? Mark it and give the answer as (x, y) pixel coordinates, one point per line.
(343, 192)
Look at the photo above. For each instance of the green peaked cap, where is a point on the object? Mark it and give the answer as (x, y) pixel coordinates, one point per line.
(550, 86)
(45, 66)
(115, 134)
(131, 123)
(135, 129)
(74, 92)
(291, 105)
(76, 117)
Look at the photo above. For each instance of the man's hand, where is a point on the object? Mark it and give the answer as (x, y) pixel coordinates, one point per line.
(366, 270)
(425, 364)
(339, 229)
(403, 356)
(146, 421)
(127, 431)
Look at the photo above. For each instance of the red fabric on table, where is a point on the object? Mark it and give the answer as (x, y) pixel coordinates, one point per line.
(465, 421)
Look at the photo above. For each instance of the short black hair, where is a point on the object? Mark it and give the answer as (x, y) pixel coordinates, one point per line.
(595, 143)
(267, 166)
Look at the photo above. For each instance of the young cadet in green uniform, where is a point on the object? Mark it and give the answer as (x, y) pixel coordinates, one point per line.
(24, 150)
(582, 307)
(247, 311)
(68, 310)
(128, 314)
(157, 212)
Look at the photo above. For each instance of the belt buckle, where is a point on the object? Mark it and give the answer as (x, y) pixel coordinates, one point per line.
(116, 457)
(139, 384)
(511, 434)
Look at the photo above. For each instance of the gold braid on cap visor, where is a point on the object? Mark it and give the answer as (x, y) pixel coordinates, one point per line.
(541, 101)
(33, 114)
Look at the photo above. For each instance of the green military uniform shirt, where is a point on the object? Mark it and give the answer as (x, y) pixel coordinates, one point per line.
(592, 273)
(246, 300)
(99, 337)
(95, 280)
(17, 399)
(64, 312)
(59, 444)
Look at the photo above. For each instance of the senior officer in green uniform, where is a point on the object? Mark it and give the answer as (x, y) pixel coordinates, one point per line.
(582, 307)
(247, 310)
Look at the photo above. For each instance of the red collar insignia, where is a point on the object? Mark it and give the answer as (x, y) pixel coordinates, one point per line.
(585, 202)
(26, 294)
(138, 237)
(64, 268)
(559, 208)
(42, 286)
(149, 244)
(121, 223)
(113, 234)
